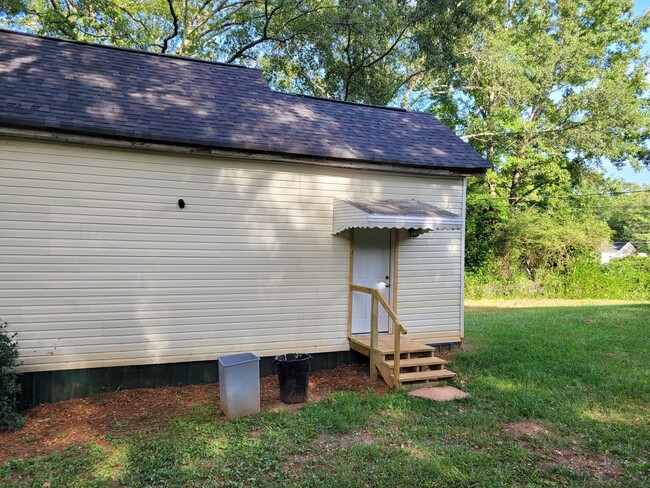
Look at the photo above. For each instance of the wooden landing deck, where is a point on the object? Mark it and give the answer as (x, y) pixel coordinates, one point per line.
(361, 343)
(418, 363)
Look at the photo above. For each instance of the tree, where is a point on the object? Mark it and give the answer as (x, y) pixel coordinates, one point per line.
(221, 30)
(548, 91)
(371, 51)
(534, 240)
(357, 50)
(628, 215)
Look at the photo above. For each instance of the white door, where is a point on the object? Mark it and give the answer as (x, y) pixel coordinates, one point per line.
(371, 267)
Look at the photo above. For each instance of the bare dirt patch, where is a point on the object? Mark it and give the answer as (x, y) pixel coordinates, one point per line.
(53, 427)
(324, 447)
(599, 466)
(331, 443)
(520, 430)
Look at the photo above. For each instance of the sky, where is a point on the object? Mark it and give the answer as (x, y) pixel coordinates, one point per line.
(627, 173)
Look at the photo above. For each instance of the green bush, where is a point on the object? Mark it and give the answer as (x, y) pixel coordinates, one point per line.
(535, 241)
(9, 387)
(630, 276)
(621, 279)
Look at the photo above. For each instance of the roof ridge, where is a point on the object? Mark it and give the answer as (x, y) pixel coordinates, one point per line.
(127, 49)
(359, 104)
(334, 100)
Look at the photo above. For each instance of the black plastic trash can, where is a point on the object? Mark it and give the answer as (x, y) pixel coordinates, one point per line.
(293, 375)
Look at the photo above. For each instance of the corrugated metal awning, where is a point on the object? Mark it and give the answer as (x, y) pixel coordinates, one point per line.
(392, 214)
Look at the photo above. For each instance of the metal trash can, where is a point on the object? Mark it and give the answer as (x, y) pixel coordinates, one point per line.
(239, 384)
(293, 375)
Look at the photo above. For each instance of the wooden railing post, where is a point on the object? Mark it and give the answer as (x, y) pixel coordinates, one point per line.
(398, 329)
(374, 334)
(396, 356)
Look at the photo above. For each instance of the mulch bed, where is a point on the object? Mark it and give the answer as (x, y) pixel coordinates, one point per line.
(53, 427)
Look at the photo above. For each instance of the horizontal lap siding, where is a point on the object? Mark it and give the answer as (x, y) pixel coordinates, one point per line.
(99, 266)
(430, 285)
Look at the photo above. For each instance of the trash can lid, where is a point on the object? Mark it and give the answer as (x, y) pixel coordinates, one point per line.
(241, 358)
(292, 356)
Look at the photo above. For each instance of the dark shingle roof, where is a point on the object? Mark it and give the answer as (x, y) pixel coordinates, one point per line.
(98, 90)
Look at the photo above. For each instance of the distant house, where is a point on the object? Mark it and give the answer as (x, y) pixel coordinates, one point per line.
(158, 212)
(617, 250)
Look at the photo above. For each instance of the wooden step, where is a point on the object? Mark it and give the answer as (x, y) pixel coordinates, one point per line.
(411, 363)
(361, 343)
(437, 374)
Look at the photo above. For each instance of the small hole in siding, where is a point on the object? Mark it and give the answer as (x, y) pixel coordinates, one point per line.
(181, 203)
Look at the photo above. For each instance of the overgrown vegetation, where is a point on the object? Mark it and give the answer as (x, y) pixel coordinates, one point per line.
(9, 387)
(620, 279)
(576, 379)
(553, 249)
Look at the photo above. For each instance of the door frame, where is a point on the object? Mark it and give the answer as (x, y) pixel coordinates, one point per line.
(394, 255)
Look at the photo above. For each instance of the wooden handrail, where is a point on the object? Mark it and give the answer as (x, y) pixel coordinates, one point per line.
(362, 289)
(398, 329)
(389, 310)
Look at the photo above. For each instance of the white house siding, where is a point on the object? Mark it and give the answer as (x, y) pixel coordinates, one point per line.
(430, 285)
(99, 266)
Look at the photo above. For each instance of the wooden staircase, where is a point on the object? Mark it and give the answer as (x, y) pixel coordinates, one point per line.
(418, 363)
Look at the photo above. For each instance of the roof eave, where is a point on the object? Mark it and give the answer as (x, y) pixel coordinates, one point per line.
(81, 137)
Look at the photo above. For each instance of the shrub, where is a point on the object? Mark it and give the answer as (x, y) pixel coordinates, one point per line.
(534, 241)
(9, 387)
(621, 279)
(631, 276)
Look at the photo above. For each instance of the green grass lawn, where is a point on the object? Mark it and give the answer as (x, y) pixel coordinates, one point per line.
(560, 396)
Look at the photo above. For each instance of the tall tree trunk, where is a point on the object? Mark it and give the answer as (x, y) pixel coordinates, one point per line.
(492, 187)
(514, 186)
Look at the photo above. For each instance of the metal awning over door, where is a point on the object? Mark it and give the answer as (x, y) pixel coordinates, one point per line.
(392, 214)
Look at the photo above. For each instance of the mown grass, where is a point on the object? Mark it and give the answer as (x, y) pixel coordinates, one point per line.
(582, 373)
